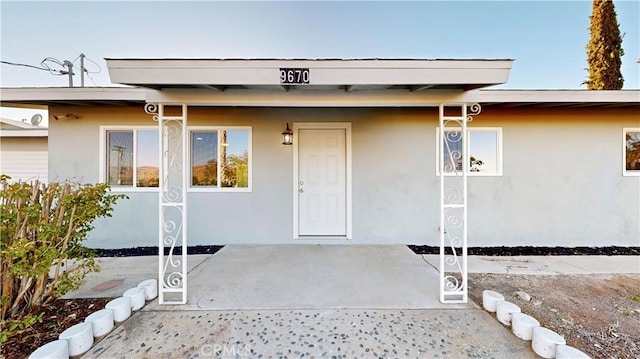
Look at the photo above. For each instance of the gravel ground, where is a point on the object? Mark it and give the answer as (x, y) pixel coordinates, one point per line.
(598, 314)
(330, 333)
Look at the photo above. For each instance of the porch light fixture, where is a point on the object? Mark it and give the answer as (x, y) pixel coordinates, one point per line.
(287, 136)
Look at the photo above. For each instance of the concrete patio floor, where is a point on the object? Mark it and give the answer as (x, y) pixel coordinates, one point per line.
(313, 277)
(296, 301)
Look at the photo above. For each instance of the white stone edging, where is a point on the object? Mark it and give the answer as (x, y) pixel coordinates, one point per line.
(78, 339)
(544, 342)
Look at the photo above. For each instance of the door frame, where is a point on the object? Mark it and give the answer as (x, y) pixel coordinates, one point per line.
(297, 126)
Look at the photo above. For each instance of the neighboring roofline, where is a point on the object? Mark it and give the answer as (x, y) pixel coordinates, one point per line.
(48, 96)
(74, 93)
(19, 124)
(24, 133)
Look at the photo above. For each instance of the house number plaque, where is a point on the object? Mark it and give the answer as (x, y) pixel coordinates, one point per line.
(292, 76)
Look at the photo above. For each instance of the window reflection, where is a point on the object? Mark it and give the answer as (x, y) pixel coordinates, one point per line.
(120, 158)
(147, 168)
(221, 154)
(204, 158)
(483, 151)
(632, 151)
(234, 158)
(483, 146)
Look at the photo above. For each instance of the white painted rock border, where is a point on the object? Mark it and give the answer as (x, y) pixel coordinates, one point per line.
(490, 299)
(137, 296)
(545, 342)
(150, 288)
(567, 352)
(504, 310)
(101, 321)
(79, 339)
(57, 349)
(121, 308)
(522, 325)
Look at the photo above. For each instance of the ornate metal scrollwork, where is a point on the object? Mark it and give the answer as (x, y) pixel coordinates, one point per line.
(152, 109)
(172, 153)
(453, 185)
(171, 275)
(172, 133)
(473, 110)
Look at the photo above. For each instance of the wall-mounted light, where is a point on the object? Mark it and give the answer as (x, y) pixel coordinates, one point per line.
(68, 116)
(287, 136)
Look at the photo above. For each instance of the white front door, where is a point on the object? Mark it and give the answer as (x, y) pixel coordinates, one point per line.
(322, 182)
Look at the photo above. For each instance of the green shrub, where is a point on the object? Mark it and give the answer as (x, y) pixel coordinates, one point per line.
(41, 252)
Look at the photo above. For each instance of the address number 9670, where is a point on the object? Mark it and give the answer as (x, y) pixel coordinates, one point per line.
(294, 76)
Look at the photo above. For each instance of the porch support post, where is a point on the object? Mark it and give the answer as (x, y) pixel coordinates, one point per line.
(453, 161)
(172, 202)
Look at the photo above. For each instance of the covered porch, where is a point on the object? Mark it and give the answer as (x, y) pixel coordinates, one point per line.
(323, 161)
(279, 277)
(310, 301)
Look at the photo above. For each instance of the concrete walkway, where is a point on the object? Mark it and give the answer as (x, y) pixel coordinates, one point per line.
(118, 274)
(315, 301)
(548, 265)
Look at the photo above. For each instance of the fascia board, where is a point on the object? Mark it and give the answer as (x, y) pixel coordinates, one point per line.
(556, 96)
(266, 72)
(72, 93)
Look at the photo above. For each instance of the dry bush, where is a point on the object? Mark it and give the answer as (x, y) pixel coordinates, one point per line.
(42, 228)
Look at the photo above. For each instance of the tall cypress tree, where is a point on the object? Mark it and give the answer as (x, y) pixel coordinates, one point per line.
(604, 50)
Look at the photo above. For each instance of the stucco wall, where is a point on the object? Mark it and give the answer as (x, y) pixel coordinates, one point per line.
(562, 182)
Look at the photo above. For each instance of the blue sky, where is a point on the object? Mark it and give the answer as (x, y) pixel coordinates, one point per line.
(546, 39)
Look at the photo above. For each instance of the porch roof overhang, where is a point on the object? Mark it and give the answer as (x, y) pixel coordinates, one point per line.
(559, 98)
(220, 75)
(126, 96)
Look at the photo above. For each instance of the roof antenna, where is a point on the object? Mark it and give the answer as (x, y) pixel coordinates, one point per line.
(82, 69)
(69, 65)
(69, 72)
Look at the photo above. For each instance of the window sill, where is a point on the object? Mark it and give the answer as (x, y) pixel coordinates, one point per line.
(472, 174)
(219, 190)
(134, 189)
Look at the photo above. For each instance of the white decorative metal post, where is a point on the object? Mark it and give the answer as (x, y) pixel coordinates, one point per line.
(453, 168)
(172, 206)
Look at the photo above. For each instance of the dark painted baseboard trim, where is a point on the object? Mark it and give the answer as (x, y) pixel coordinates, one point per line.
(153, 251)
(537, 251)
(478, 251)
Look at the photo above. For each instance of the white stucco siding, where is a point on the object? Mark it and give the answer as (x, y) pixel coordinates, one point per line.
(394, 187)
(562, 182)
(75, 144)
(380, 211)
(24, 158)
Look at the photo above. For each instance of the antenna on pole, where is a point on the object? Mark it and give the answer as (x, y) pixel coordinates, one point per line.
(67, 67)
(69, 72)
(82, 70)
